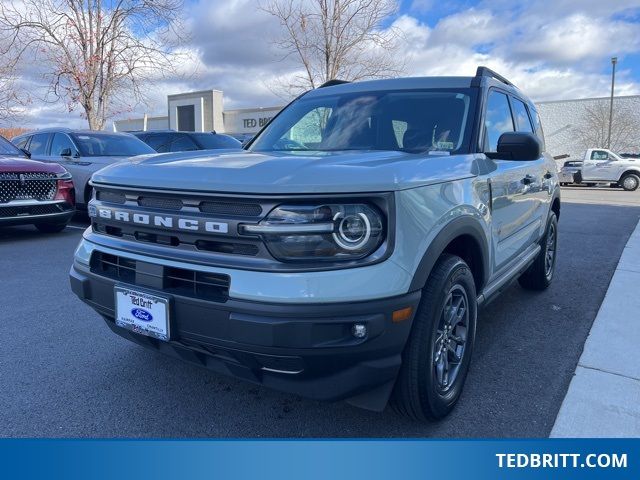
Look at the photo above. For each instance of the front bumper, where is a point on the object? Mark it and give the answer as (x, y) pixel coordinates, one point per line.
(32, 212)
(305, 349)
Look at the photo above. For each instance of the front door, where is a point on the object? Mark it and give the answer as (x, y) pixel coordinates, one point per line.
(599, 166)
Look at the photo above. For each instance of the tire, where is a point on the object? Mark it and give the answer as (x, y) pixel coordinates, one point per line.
(630, 182)
(420, 392)
(577, 177)
(540, 274)
(50, 227)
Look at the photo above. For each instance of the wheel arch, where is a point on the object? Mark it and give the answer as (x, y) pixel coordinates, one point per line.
(555, 204)
(463, 237)
(629, 171)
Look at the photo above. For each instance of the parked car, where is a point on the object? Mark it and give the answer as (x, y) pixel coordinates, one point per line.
(172, 141)
(81, 152)
(567, 173)
(343, 254)
(33, 193)
(244, 138)
(603, 166)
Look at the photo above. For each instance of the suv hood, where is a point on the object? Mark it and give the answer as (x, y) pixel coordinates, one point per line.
(287, 172)
(17, 164)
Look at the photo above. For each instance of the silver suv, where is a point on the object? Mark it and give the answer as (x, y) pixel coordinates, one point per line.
(342, 255)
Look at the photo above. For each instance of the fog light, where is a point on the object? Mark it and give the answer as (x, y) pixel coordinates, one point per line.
(359, 330)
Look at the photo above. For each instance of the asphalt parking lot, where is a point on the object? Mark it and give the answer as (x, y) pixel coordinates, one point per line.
(63, 373)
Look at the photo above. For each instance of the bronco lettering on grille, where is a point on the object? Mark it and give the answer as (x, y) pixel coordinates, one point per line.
(162, 221)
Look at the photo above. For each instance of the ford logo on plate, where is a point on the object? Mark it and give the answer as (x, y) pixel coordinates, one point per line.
(141, 314)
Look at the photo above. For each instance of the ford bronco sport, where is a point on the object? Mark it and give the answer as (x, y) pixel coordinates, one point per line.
(342, 255)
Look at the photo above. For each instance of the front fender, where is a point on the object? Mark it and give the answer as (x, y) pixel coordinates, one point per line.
(468, 227)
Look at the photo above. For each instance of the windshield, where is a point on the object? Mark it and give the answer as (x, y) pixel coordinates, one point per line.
(7, 148)
(209, 141)
(404, 120)
(110, 145)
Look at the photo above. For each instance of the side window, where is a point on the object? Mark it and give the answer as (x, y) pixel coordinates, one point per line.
(60, 143)
(38, 144)
(599, 155)
(497, 120)
(21, 142)
(537, 123)
(523, 123)
(182, 143)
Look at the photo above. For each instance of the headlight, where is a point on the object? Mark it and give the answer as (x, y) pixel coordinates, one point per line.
(325, 232)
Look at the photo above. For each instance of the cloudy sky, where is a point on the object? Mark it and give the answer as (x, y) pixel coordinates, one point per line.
(552, 49)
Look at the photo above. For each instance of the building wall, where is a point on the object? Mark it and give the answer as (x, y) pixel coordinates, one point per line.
(565, 124)
(132, 124)
(248, 120)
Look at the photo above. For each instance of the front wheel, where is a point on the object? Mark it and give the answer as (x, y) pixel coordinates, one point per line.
(436, 358)
(630, 182)
(540, 274)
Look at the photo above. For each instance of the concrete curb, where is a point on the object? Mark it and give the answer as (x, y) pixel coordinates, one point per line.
(603, 399)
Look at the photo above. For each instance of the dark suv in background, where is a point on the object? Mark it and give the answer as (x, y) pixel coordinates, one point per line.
(171, 141)
(81, 152)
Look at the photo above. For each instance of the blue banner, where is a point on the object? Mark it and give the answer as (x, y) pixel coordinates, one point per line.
(320, 459)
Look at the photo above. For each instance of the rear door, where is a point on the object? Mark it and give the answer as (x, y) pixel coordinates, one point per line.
(514, 186)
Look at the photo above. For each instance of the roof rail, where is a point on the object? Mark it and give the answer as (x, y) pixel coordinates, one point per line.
(487, 72)
(331, 83)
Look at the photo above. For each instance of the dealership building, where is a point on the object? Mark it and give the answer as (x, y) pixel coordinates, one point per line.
(566, 122)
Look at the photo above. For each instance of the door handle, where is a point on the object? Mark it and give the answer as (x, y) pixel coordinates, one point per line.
(528, 179)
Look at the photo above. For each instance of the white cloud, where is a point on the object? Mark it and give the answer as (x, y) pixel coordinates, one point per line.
(551, 49)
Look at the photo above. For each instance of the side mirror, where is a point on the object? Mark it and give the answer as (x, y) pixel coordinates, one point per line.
(26, 152)
(518, 146)
(66, 152)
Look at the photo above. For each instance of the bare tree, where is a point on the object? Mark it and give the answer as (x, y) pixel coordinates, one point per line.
(333, 39)
(594, 127)
(99, 54)
(10, 97)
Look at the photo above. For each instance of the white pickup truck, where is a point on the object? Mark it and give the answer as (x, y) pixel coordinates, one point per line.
(603, 166)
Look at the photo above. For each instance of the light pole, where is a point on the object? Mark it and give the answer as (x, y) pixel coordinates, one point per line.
(614, 60)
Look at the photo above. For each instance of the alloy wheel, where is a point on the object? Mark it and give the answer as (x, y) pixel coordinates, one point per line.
(451, 338)
(630, 183)
(550, 251)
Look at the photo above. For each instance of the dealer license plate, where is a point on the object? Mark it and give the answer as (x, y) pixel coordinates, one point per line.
(142, 312)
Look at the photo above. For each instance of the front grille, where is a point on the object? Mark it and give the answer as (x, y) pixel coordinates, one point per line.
(231, 208)
(27, 186)
(114, 267)
(226, 210)
(29, 210)
(111, 197)
(163, 203)
(180, 281)
(192, 283)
